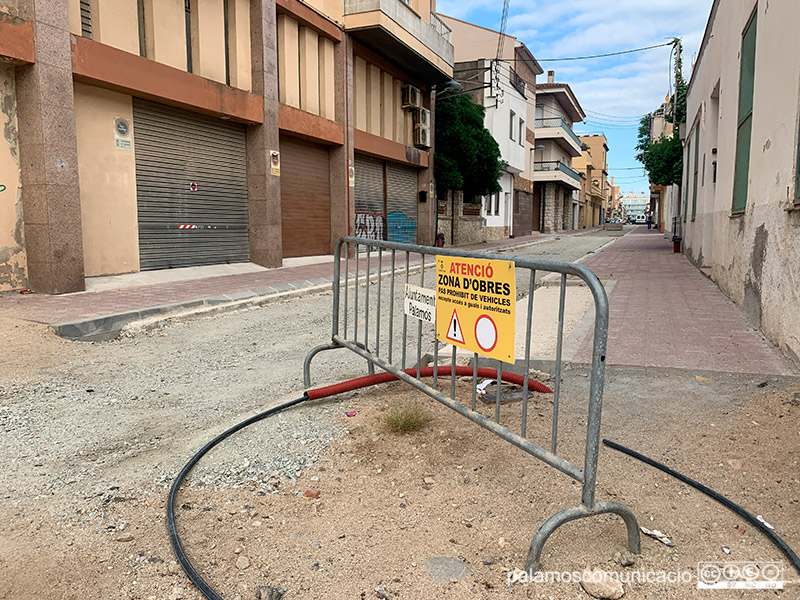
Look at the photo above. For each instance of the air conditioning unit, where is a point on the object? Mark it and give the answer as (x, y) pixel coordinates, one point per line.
(422, 136)
(412, 97)
(422, 116)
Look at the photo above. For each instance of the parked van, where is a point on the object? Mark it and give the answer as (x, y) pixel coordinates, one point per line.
(640, 220)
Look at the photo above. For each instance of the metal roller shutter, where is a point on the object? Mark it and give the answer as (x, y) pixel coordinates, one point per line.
(401, 203)
(305, 198)
(369, 198)
(178, 152)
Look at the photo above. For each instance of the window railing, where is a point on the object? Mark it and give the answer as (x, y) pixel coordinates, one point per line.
(439, 27)
(556, 165)
(558, 122)
(517, 81)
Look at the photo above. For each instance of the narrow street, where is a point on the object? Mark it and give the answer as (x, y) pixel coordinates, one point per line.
(94, 433)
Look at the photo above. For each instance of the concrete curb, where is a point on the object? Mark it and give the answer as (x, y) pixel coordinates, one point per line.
(108, 327)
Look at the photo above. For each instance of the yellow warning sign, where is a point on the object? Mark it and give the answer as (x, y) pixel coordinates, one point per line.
(475, 301)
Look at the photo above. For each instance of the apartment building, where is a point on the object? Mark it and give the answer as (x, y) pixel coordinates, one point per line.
(506, 88)
(146, 135)
(593, 162)
(740, 187)
(556, 184)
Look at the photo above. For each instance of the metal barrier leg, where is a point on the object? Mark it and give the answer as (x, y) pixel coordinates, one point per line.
(317, 350)
(307, 362)
(579, 512)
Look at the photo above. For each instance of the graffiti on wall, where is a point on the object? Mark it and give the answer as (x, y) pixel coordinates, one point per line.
(370, 226)
(402, 228)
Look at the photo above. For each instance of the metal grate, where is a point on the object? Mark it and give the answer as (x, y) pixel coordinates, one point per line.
(368, 318)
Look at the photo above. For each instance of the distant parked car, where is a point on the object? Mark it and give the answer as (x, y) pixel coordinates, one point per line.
(640, 220)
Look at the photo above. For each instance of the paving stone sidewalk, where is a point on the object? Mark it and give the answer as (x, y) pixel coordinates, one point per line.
(93, 313)
(665, 313)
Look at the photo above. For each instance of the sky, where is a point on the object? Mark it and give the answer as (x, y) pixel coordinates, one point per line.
(614, 92)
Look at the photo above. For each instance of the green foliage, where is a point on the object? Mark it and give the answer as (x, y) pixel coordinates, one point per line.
(643, 137)
(663, 160)
(404, 420)
(467, 157)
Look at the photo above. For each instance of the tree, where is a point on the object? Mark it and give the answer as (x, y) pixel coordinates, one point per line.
(467, 157)
(663, 158)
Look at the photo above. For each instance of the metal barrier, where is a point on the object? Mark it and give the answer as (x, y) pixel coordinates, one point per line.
(351, 308)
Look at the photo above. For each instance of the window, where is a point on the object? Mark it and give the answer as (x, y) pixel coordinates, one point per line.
(497, 203)
(226, 26)
(86, 19)
(511, 125)
(747, 71)
(187, 7)
(686, 178)
(521, 132)
(142, 37)
(696, 163)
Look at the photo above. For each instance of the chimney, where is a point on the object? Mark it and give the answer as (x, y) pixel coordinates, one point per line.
(551, 76)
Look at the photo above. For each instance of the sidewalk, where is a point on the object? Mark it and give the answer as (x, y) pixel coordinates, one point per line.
(103, 313)
(665, 313)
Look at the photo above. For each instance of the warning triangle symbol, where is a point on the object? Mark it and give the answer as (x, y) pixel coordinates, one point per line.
(454, 332)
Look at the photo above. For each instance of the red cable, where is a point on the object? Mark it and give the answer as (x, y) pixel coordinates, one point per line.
(385, 377)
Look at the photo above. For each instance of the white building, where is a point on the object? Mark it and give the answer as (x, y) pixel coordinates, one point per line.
(556, 183)
(741, 191)
(635, 205)
(506, 88)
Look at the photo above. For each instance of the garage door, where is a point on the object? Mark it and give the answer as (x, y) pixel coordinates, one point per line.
(191, 188)
(305, 198)
(369, 191)
(401, 203)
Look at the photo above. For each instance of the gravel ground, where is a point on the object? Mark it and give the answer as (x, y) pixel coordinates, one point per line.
(91, 427)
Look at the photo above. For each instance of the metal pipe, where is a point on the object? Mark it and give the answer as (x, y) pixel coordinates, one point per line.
(537, 451)
(559, 345)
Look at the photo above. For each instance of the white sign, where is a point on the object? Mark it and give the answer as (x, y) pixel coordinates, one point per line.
(122, 134)
(420, 303)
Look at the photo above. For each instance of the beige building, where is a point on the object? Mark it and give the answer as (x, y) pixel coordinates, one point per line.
(741, 201)
(593, 163)
(147, 135)
(556, 184)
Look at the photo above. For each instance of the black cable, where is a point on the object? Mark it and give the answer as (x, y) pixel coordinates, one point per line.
(774, 537)
(172, 530)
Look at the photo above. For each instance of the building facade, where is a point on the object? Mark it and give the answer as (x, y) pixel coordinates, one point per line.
(593, 162)
(635, 205)
(556, 184)
(506, 88)
(741, 193)
(148, 135)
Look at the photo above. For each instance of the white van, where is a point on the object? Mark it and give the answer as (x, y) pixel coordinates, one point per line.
(640, 220)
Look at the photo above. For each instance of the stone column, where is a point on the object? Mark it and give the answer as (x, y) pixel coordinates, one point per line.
(263, 188)
(51, 199)
(550, 208)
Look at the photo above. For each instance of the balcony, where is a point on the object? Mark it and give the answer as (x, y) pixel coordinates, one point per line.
(556, 171)
(392, 28)
(560, 132)
(439, 27)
